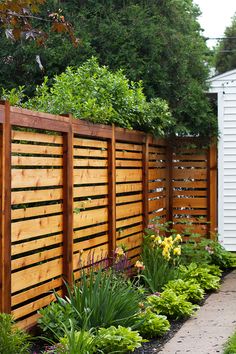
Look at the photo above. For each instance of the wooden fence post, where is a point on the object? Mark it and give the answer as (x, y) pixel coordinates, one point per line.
(212, 189)
(145, 181)
(5, 240)
(169, 184)
(68, 204)
(112, 194)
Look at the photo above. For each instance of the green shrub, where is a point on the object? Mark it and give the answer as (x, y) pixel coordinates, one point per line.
(95, 93)
(152, 325)
(192, 291)
(12, 339)
(75, 342)
(201, 275)
(230, 346)
(100, 299)
(118, 340)
(172, 305)
(53, 317)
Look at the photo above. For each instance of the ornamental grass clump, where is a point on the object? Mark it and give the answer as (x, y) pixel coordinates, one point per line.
(99, 299)
(170, 304)
(160, 258)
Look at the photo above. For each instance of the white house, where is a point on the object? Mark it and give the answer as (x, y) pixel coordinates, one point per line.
(224, 86)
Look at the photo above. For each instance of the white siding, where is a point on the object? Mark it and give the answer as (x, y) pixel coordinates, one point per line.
(225, 86)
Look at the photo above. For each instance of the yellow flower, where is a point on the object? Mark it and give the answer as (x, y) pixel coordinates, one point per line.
(178, 238)
(139, 265)
(177, 251)
(166, 253)
(158, 240)
(152, 237)
(119, 252)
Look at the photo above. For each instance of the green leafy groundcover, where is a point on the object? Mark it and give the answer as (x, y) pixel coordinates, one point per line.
(95, 93)
(230, 347)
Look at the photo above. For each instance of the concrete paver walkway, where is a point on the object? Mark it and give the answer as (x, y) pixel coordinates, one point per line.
(213, 324)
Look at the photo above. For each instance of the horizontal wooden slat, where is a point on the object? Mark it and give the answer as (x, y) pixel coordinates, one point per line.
(89, 191)
(189, 184)
(89, 257)
(90, 217)
(128, 187)
(193, 193)
(36, 211)
(133, 209)
(189, 174)
(89, 231)
(189, 157)
(91, 203)
(128, 147)
(93, 242)
(36, 161)
(36, 149)
(157, 164)
(89, 142)
(23, 178)
(190, 202)
(34, 196)
(128, 163)
(87, 176)
(78, 162)
(36, 227)
(157, 174)
(132, 241)
(36, 137)
(90, 152)
(129, 198)
(42, 272)
(128, 155)
(128, 222)
(157, 184)
(128, 231)
(126, 175)
(28, 322)
(190, 164)
(201, 212)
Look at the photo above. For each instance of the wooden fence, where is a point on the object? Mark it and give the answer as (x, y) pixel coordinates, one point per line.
(71, 189)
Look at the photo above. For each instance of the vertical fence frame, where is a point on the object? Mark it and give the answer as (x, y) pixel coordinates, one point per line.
(212, 189)
(145, 164)
(5, 246)
(112, 194)
(68, 204)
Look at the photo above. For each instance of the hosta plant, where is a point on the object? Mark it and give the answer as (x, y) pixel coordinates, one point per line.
(172, 305)
(152, 325)
(117, 340)
(201, 275)
(192, 290)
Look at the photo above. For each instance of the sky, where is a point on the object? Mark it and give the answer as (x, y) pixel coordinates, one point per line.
(216, 16)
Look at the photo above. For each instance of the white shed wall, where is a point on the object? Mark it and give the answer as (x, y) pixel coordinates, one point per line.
(225, 86)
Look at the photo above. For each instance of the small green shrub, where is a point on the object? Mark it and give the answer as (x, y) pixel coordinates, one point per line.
(152, 325)
(53, 317)
(201, 275)
(172, 305)
(12, 339)
(118, 340)
(75, 342)
(192, 291)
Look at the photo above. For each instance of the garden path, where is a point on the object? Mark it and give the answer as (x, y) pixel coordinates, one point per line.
(213, 324)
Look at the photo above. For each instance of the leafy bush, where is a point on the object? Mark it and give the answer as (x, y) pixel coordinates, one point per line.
(160, 256)
(172, 305)
(12, 339)
(152, 325)
(192, 291)
(95, 93)
(100, 299)
(118, 340)
(200, 274)
(53, 317)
